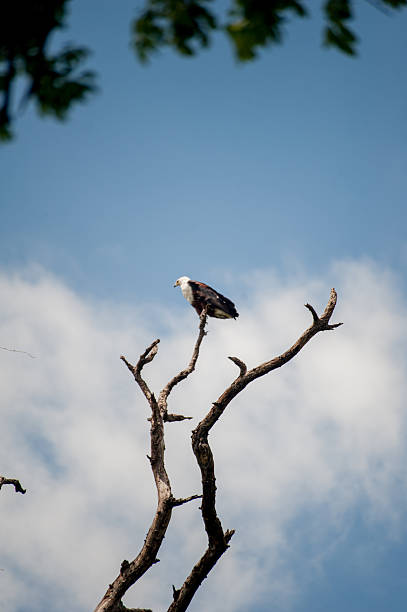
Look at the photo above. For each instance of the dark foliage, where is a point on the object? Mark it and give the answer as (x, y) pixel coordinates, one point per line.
(185, 25)
(52, 80)
(49, 78)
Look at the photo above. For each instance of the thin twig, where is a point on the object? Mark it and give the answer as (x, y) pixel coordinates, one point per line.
(185, 500)
(171, 418)
(3, 348)
(313, 312)
(240, 364)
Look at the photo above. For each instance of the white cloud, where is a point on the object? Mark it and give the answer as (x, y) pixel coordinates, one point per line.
(327, 430)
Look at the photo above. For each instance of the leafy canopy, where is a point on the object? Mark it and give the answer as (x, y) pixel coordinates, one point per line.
(49, 78)
(52, 80)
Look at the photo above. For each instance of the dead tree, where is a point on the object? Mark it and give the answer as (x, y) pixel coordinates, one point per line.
(218, 539)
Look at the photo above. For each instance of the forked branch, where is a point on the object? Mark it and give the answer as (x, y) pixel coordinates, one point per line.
(146, 357)
(130, 572)
(319, 324)
(218, 540)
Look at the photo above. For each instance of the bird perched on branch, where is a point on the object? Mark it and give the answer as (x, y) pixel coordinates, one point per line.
(201, 295)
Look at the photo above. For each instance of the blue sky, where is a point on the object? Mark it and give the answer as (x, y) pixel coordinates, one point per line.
(293, 168)
(204, 166)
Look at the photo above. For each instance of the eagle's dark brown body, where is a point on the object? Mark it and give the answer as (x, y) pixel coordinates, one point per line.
(200, 295)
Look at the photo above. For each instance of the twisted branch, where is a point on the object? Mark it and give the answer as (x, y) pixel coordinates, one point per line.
(218, 540)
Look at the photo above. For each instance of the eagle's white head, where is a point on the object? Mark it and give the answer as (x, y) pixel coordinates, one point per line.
(182, 281)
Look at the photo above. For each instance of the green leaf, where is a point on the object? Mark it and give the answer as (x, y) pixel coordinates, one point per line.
(337, 33)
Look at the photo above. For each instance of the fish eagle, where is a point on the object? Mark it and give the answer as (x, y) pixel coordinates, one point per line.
(201, 295)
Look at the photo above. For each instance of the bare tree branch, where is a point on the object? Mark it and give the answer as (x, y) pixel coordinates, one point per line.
(170, 418)
(12, 481)
(122, 608)
(218, 540)
(130, 572)
(180, 502)
(319, 324)
(4, 348)
(146, 357)
(163, 397)
(240, 364)
(313, 312)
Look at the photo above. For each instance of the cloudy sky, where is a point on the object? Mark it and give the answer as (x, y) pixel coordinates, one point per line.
(273, 182)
